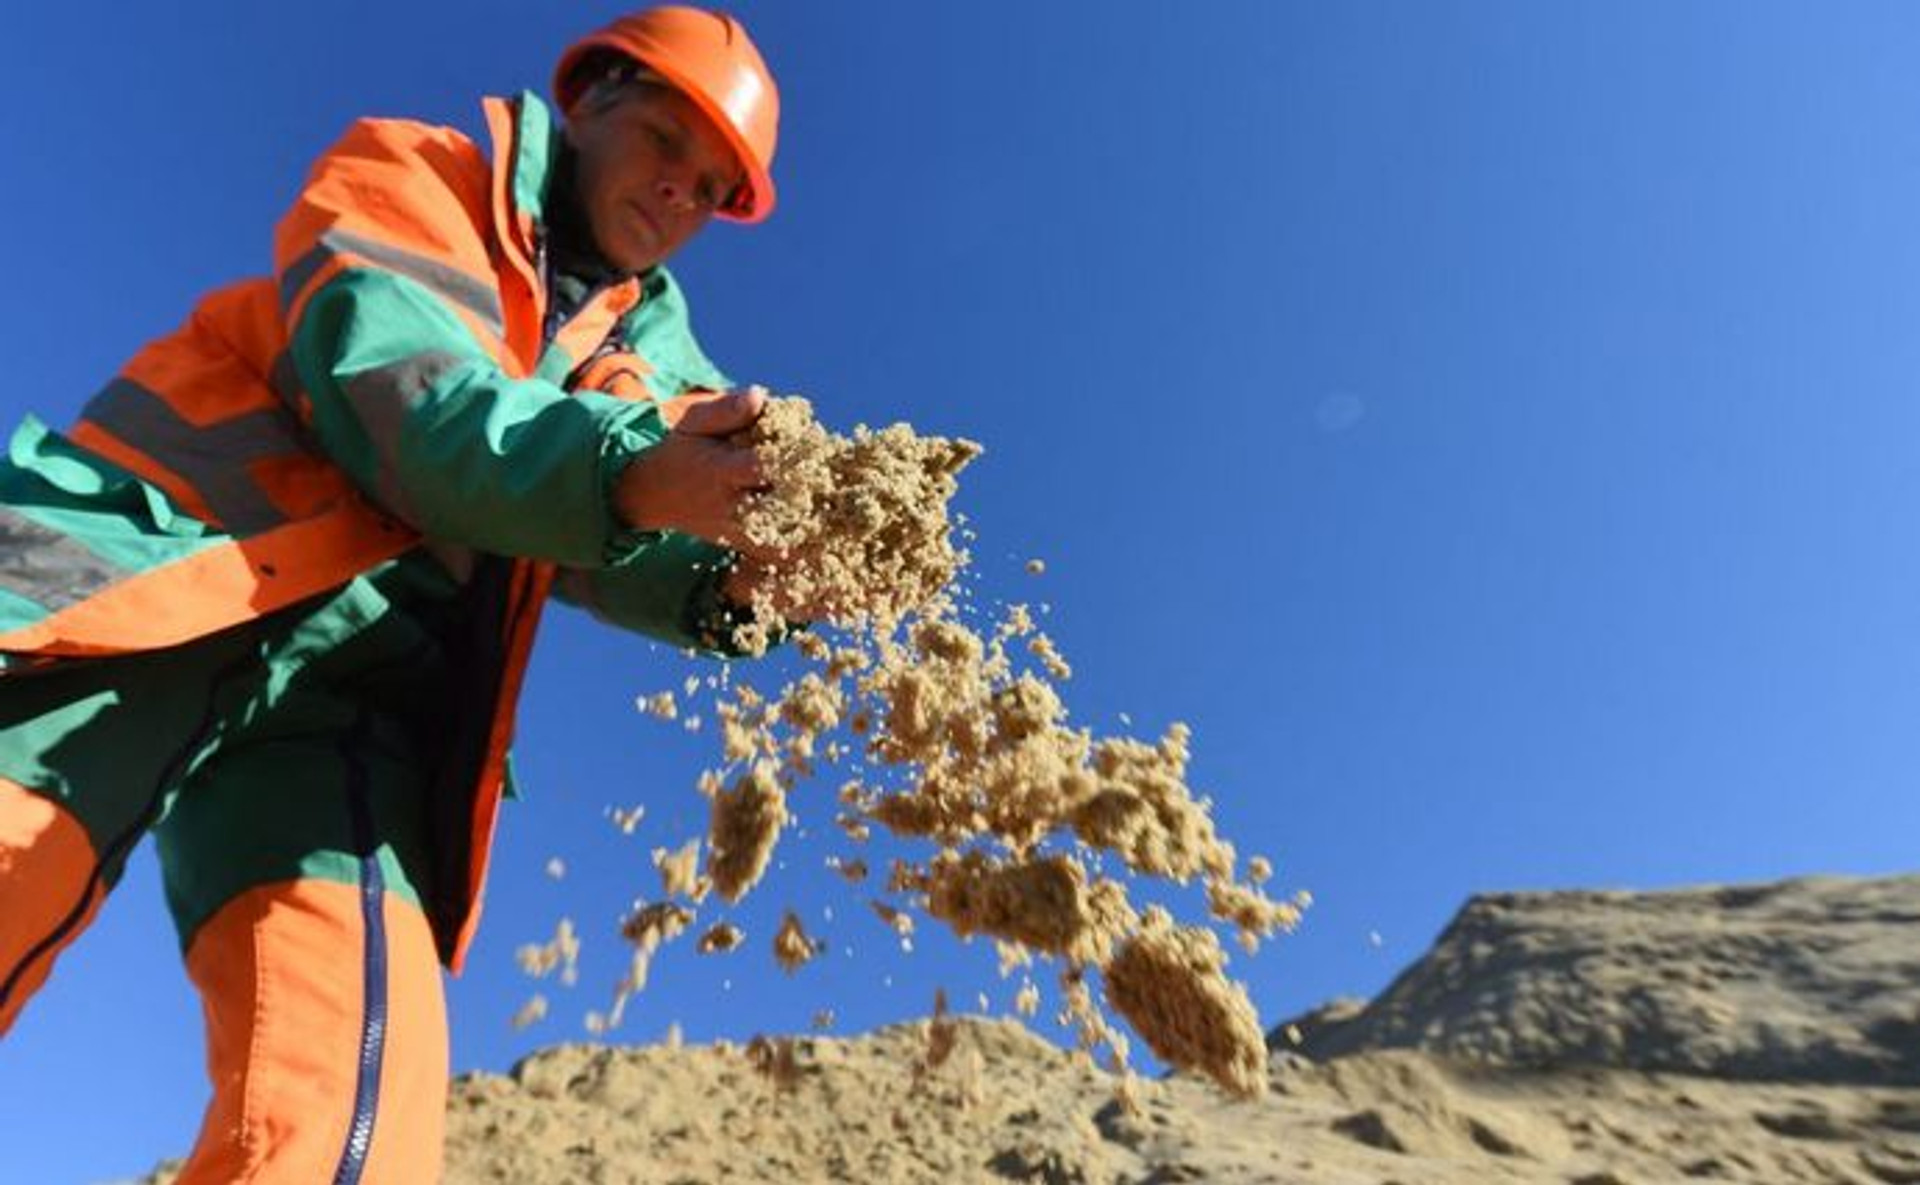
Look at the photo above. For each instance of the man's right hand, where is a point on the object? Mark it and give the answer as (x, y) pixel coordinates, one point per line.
(693, 481)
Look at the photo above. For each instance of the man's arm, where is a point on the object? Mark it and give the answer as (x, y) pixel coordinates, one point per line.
(668, 590)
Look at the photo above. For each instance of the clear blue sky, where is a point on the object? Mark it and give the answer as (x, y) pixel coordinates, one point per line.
(1493, 427)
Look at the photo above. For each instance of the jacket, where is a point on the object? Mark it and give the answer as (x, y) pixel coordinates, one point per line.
(396, 383)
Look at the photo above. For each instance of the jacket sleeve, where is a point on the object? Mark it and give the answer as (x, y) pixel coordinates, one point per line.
(395, 319)
(670, 588)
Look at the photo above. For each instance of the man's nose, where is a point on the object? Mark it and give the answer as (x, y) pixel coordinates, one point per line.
(677, 194)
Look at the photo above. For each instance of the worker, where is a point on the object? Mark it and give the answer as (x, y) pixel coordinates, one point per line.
(271, 598)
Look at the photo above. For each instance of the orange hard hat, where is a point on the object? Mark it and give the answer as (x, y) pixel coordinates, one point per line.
(708, 57)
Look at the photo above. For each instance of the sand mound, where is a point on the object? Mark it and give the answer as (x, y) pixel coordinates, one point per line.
(1814, 974)
(1814, 980)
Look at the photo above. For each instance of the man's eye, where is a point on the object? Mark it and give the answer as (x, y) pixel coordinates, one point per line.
(662, 139)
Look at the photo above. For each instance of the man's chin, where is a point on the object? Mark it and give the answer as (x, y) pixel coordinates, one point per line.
(642, 250)
(628, 252)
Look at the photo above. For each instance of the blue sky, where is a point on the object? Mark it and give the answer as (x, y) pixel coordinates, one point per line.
(1490, 425)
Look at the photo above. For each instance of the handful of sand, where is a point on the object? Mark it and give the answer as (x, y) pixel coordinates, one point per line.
(859, 522)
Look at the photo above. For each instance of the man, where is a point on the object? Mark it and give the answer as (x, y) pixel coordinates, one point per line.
(271, 598)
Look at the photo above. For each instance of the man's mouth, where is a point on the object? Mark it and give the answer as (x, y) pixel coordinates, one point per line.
(645, 221)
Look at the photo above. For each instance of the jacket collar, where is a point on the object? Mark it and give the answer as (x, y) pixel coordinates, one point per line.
(536, 138)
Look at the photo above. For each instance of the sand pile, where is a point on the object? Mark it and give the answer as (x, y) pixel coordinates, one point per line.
(1814, 980)
(1778, 1016)
(950, 732)
(869, 1110)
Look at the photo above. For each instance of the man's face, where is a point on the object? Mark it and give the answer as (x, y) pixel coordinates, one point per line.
(652, 171)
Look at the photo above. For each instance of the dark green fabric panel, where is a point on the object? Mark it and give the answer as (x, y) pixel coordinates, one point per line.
(109, 739)
(663, 591)
(232, 749)
(281, 811)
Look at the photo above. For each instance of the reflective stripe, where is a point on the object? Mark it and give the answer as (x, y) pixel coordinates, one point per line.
(373, 965)
(46, 567)
(213, 458)
(382, 399)
(478, 297)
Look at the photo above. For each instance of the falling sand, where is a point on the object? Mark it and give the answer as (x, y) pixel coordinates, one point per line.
(792, 949)
(963, 742)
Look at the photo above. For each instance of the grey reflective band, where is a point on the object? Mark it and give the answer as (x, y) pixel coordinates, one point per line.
(212, 458)
(46, 567)
(382, 399)
(477, 297)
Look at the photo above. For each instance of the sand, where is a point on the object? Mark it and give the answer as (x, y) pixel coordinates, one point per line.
(747, 817)
(1781, 1018)
(792, 948)
(720, 938)
(679, 875)
(865, 1110)
(561, 953)
(1169, 982)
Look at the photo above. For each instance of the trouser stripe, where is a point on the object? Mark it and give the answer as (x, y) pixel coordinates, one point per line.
(373, 1020)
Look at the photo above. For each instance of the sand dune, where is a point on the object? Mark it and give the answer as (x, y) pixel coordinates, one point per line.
(1813, 980)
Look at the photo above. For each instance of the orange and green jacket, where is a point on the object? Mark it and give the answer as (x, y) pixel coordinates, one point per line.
(396, 384)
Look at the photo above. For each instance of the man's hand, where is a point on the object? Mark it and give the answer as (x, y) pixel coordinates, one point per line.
(693, 481)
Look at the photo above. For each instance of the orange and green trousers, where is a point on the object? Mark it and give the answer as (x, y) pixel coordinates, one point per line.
(282, 769)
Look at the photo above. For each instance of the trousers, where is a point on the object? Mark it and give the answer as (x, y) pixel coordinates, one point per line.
(282, 770)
